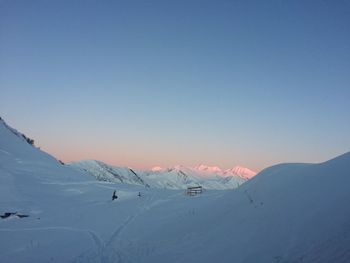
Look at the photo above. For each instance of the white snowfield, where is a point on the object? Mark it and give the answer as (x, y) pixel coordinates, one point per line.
(287, 213)
(178, 177)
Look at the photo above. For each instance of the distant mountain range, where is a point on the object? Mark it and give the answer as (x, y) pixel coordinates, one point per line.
(177, 177)
(294, 212)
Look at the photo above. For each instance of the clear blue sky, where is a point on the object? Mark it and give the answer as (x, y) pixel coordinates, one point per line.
(143, 83)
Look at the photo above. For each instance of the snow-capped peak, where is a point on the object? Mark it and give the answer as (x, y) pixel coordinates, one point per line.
(157, 169)
(208, 169)
(240, 171)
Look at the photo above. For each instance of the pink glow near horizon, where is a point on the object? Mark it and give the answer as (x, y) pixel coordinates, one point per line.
(142, 154)
(142, 162)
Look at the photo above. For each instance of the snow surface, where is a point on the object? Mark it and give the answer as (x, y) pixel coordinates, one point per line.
(108, 173)
(287, 213)
(177, 177)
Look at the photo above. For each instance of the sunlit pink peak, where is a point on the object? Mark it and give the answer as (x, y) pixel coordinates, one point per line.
(156, 169)
(240, 171)
(209, 169)
(205, 170)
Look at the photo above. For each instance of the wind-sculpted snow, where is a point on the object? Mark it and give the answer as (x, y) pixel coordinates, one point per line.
(287, 213)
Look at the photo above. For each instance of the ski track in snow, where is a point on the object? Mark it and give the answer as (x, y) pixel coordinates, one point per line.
(111, 250)
(5, 152)
(106, 251)
(117, 232)
(97, 241)
(44, 228)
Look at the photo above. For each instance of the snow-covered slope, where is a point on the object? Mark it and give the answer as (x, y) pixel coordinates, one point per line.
(104, 172)
(177, 177)
(35, 185)
(287, 213)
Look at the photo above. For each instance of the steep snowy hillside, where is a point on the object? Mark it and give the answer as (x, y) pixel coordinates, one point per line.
(19, 156)
(104, 172)
(33, 187)
(50, 212)
(177, 177)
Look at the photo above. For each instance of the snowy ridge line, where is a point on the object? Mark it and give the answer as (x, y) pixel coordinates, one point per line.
(17, 133)
(177, 177)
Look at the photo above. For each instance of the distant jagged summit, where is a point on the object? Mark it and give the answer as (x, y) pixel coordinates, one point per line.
(156, 169)
(175, 177)
(208, 169)
(205, 170)
(240, 171)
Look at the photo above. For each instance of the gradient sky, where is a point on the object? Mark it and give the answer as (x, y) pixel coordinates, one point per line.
(144, 83)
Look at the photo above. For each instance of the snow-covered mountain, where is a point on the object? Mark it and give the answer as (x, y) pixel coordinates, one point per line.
(237, 171)
(108, 173)
(207, 170)
(53, 213)
(177, 177)
(242, 172)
